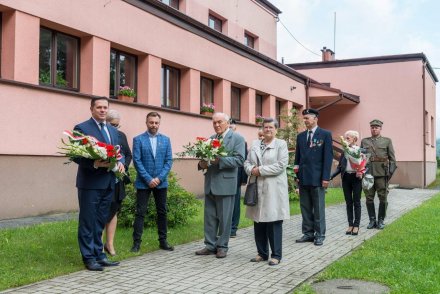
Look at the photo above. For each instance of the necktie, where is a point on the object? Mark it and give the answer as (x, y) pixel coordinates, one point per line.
(219, 137)
(309, 138)
(104, 133)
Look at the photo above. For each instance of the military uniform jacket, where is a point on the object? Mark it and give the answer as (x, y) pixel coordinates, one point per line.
(381, 154)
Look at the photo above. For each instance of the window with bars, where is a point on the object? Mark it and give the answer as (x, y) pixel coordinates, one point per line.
(58, 59)
(258, 105)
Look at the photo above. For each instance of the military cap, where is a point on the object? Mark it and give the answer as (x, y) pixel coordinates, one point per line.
(376, 122)
(310, 111)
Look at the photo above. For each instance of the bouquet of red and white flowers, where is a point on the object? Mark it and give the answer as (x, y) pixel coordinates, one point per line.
(204, 149)
(83, 146)
(354, 155)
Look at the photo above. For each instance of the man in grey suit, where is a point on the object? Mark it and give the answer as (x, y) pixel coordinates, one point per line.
(220, 188)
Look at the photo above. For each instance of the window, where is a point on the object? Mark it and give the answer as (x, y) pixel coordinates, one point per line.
(258, 104)
(58, 59)
(249, 40)
(278, 109)
(122, 71)
(172, 3)
(215, 23)
(170, 87)
(206, 91)
(432, 131)
(235, 103)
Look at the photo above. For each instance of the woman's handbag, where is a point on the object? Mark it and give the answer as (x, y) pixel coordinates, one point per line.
(251, 194)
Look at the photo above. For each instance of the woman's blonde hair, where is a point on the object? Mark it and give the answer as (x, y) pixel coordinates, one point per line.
(353, 134)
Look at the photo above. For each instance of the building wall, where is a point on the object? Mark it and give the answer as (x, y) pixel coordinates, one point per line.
(393, 93)
(240, 15)
(40, 114)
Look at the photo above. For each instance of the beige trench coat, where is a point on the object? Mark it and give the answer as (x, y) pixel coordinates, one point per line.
(273, 197)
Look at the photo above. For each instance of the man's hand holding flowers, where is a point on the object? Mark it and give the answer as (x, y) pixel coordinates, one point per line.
(208, 151)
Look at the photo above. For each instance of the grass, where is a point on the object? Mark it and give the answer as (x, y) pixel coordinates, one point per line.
(436, 183)
(405, 256)
(35, 253)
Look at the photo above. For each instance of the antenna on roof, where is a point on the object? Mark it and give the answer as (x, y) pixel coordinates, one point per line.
(334, 35)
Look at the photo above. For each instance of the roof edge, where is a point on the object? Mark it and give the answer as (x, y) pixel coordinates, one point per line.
(366, 60)
(269, 6)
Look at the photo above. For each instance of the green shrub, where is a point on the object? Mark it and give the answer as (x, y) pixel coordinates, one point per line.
(182, 205)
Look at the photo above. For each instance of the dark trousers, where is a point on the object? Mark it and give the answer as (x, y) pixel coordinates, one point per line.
(352, 187)
(312, 203)
(160, 199)
(236, 213)
(94, 207)
(272, 233)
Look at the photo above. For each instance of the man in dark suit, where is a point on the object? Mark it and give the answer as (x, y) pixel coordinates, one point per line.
(313, 161)
(95, 185)
(152, 158)
(220, 188)
(241, 180)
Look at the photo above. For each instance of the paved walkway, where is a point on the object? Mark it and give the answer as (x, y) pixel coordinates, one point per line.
(183, 272)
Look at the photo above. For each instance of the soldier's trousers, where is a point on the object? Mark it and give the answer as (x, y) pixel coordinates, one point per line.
(381, 187)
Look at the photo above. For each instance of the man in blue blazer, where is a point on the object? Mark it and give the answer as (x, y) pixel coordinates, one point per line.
(95, 185)
(313, 162)
(152, 158)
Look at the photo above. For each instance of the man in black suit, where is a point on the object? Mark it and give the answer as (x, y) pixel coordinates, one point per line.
(313, 161)
(95, 188)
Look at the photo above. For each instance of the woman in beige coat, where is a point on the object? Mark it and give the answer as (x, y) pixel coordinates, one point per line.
(267, 160)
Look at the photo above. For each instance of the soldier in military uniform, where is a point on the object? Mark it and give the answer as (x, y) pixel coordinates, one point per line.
(381, 165)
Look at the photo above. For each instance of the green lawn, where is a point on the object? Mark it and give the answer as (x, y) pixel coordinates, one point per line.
(39, 252)
(405, 256)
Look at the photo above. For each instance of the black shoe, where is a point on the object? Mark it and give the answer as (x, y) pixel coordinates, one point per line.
(380, 224)
(305, 239)
(372, 224)
(165, 246)
(94, 266)
(136, 247)
(106, 262)
(355, 231)
(318, 242)
(233, 235)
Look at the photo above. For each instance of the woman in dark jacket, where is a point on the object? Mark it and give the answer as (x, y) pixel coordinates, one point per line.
(114, 118)
(351, 185)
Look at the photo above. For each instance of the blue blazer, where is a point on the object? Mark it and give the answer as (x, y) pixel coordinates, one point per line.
(149, 167)
(89, 177)
(314, 162)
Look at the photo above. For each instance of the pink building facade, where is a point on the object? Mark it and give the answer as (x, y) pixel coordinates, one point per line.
(177, 55)
(400, 91)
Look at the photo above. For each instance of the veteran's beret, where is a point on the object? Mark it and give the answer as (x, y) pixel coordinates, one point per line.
(310, 111)
(376, 122)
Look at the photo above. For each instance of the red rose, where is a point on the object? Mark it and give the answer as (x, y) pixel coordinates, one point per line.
(201, 139)
(100, 144)
(215, 143)
(84, 141)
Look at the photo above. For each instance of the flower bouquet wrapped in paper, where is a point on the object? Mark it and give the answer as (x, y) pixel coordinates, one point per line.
(204, 149)
(83, 146)
(354, 155)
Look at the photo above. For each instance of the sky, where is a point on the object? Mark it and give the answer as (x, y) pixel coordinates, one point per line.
(363, 28)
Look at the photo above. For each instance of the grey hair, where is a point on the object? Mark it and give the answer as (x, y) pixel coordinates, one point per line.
(226, 117)
(351, 133)
(113, 114)
(271, 120)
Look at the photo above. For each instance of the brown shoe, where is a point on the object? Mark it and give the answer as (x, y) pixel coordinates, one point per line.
(205, 251)
(258, 258)
(274, 261)
(220, 253)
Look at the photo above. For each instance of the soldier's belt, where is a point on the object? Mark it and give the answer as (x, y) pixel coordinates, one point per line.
(380, 159)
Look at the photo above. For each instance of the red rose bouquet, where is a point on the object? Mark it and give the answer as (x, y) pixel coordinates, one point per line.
(204, 149)
(83, 146)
